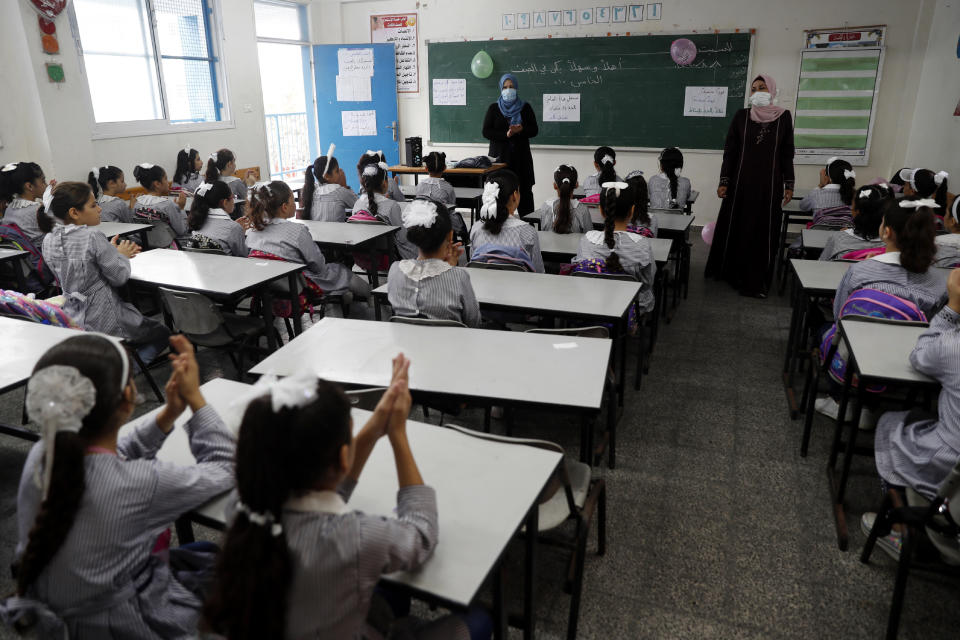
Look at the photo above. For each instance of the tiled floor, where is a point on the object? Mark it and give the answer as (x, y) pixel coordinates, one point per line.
(716, 527)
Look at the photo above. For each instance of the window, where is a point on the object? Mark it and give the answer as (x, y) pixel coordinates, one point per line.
(287, 80)
(150, 60)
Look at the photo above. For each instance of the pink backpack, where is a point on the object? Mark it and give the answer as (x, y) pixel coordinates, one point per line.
(863, 254)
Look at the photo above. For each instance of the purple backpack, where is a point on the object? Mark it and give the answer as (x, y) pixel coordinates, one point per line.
(871, 303)
(40, 276)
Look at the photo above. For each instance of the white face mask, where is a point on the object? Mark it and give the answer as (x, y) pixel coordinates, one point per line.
(760, 99)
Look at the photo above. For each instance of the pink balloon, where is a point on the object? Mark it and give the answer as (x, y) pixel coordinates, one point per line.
(683, 51)
(707, 232)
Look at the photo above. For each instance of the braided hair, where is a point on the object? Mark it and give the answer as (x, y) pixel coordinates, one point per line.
(373, 180)
(614, 206)
(640, 199)
(565, 178)
(606, 158)
(671, 161)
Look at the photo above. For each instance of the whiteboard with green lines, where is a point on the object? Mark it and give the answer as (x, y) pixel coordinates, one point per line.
(836, 104)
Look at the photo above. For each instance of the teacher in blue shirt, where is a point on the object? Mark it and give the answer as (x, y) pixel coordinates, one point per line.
(509, 124)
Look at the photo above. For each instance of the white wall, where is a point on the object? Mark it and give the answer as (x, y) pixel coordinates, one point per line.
(779, 24)
(934, 140)
(52, 123)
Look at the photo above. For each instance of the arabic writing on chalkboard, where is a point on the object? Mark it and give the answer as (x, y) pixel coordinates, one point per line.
(401, 30)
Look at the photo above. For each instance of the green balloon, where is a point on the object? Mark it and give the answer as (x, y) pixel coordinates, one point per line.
(482, 64)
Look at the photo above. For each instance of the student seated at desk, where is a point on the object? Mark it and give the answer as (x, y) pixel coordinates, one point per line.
(211, 222)
(668, 189)
(604, 161)
(373, 200)
(863, 240)
(432, 286)
(393, 187)
(273, 235)
(924, 183)
(438, 189)
(107, 184)
(830, 202)
(501, 231)
(187, 176)
(912, 448)
(326, 196)
(948, 244)
(565, 214)
(91, 269)
(155, 207)
(222, 165)
(616, 250)
(297, 562)
(21, 185)
(92, 507)
(641, 222)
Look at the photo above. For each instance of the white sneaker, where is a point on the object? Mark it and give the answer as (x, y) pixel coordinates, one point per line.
(830, 408)
(890, 543)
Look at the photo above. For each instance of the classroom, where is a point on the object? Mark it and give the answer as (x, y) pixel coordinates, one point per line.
(441, 319)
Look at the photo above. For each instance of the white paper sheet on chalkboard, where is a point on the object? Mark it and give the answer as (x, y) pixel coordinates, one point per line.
(355, 62)
(561, 107)
(359, 123)
(354, 89)
(705, 102)
(450, 91)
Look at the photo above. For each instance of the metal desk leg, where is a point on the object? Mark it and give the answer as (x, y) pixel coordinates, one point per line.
(377, 313)
(184, 529)
(839, 516)
(373, 273)
(294, 304)
(266, 299)
(620, 343)
(529, 572)
(499, 602)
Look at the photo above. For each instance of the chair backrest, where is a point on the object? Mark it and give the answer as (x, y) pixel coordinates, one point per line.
(607, 276)
(365, 398)
(192, 313)
(577, 332)
(495, 266)
(211, 250)
(426, 322)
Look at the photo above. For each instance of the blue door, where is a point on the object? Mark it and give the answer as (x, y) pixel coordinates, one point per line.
(360, 94)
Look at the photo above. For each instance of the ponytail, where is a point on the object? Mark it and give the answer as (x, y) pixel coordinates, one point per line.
(104, 175)
(217, 163)
(640, 199)
(915, 231)
(66, 196)
(315, 175)
(371, 182)
(671, 161)
(435, 162)
(509, 184)
(615, 206)
(146, 174)
(265, 201)
(94, 185)
(211, 199)
(838, 171)
(565, 177)
(925, 182)
(279, 455)
(605, 157)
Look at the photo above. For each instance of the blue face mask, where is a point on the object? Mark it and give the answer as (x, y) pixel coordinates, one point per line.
(508, 95)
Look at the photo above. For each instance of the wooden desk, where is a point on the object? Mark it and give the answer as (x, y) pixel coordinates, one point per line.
(222, 278)
(482, 500)
(22, 344)
(416, 172)
(373, 238)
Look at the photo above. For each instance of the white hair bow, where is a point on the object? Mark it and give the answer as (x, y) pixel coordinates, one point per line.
(47, 197)
(614, 185)
(261, 519)
(866, 193)
(96, 173)
(202, 188)
(330, 151)
(59, 397)
(908, 175)
(187, 149)
(146, 165)
(607, 159)
(378, 153)
(10, 166)
(916, 204)
(215, 156)
(939, 177)
(419, 213)
(383, 165)
(954, 209)
(831, 161)
(488, 210)
(566, 180)
(292, 392)
(371, 169)
(849, 174)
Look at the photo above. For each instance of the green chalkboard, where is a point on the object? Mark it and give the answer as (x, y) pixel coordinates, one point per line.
(631, 91)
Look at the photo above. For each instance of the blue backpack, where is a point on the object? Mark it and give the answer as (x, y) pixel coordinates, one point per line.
(871, 303)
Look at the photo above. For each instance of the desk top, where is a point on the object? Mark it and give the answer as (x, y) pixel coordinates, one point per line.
(677, 222)
(882, 349)
(22, 344)
(816, 238)
(819, 276)
(568, 244)
(482, 498)
(11, 254)
(121, 229)
(400, 168)
(206, 273)
(343, 233)
(550, 294)
(463, 193)
(476, 363)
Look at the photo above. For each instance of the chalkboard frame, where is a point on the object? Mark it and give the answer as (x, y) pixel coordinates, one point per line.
(750, 73)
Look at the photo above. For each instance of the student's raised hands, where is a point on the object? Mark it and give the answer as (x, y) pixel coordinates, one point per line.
(453, 255)
(127, 248)
(181, 200)
(251, 178)
(953, 289)
(403, 400)
(186, 371)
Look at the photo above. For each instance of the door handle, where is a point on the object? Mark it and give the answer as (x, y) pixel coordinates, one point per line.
(394, 127)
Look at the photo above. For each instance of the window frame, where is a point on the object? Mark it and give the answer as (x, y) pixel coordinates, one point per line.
(162, 126)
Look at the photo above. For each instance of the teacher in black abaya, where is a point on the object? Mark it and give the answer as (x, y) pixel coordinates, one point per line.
(756, 180)
(509, 124)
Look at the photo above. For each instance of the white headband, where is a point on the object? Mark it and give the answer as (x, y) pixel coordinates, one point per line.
(47, 197)
(146, 165)
(330, 151)
(916, 204)
(614, 185)
(954, 209)
(488, 209)
(202, 188)
(378, 153)
(635, 173)
(831, 161)
(607, 159)
(419, 213)
(908, 175)
(939, 177)
(261, 519)
(10, 166)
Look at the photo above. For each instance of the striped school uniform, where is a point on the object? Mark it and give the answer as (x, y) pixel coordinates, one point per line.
(433, 289)
(90, 271)
(160, 210)
(591, 186)
(636, 258)
(23, 213)
(388, 210)
(237, 187)
(580, 220)
(658, 188)
(948, 250)
(339, 556)
(843, 242)
(226, 232)
(105, 567)
(438, 189)
(827, 207)
(514, 233)
(653, 226)
(926, 290)
(114, 209)
(190, 182)
(912, 450)
(330, 203)
(292, 241)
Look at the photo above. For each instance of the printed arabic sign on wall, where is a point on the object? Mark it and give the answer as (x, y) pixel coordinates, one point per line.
(401, 30)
